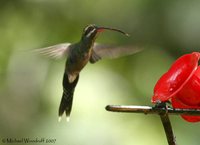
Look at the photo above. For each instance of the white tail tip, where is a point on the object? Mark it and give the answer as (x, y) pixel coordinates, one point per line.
(68, 118)
(59, 118)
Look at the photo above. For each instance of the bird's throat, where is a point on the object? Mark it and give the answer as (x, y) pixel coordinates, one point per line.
(87, 45)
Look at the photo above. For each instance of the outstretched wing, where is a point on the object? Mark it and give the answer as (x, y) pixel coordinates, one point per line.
(105, 51)
(55, 51)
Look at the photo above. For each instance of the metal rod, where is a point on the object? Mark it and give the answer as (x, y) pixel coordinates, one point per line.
(166, 124)
(151, 110)
(168, 129)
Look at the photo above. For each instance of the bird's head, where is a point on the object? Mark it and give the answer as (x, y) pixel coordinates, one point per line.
(90, 32)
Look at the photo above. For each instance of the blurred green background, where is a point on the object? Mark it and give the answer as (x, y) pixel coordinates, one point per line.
(31, 85)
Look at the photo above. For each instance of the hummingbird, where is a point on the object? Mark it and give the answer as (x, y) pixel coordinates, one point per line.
(78, 55)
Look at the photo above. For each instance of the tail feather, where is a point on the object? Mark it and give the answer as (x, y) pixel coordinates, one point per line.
(67, 97)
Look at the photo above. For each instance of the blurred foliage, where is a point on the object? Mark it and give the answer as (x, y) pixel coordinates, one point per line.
(30, 86)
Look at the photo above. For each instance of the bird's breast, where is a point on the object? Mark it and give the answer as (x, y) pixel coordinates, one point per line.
(77, 62)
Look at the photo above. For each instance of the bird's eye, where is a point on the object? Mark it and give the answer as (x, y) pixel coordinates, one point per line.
(88, 30)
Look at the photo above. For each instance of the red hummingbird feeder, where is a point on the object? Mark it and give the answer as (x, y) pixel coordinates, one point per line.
(181, 85)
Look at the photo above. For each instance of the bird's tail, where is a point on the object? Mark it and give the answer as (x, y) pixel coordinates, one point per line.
(67, 97)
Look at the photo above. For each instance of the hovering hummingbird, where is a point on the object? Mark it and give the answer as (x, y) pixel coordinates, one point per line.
(78, 55)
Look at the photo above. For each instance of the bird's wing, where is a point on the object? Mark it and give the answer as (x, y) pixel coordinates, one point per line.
(55, 51)
(105, 51)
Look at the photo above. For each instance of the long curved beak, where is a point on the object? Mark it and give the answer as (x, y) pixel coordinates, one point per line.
(101, 29)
